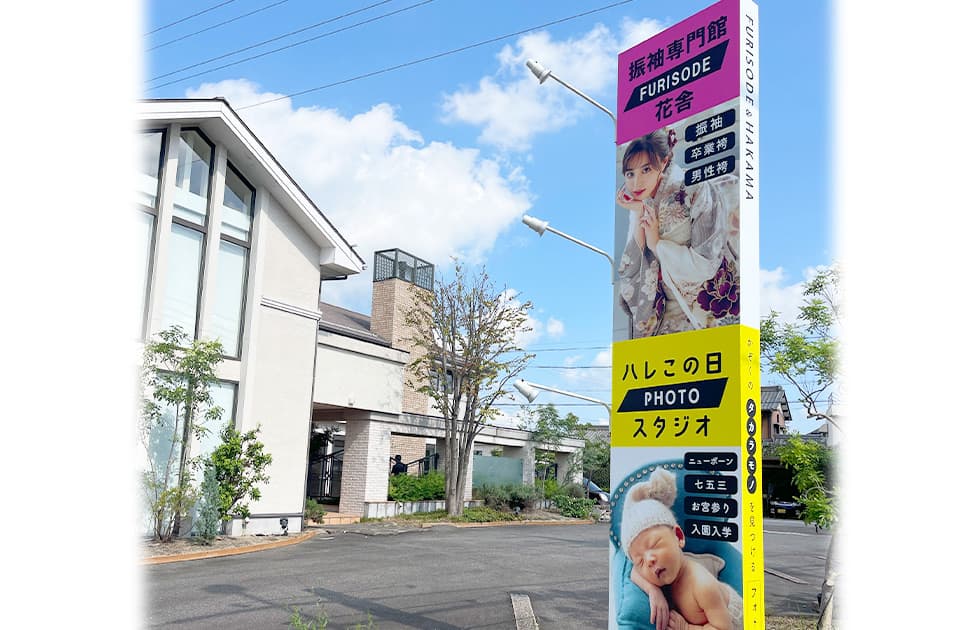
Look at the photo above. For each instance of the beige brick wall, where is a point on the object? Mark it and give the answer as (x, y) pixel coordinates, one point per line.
(389, 301)
(409, 447)
(366, 448)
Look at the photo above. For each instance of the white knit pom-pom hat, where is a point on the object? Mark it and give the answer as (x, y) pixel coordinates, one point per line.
(648, 505)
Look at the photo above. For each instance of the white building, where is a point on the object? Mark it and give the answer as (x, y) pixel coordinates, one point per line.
(235, 250)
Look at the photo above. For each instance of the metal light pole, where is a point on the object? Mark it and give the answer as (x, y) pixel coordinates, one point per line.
(542, 74)
(541, 227)
(530, 391)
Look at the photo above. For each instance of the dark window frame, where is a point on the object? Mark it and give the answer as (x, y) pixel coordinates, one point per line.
(247, 246)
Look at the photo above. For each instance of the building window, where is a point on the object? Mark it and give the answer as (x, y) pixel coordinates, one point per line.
(231, 278)
(150, 163)
(226, 315)
(146, 224)
(224, 394)
(151, 145)
(183, 284)
(239, 199)
(193, 177)
(182, 294)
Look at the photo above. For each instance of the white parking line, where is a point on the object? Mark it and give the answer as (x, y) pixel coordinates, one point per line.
(523, 613)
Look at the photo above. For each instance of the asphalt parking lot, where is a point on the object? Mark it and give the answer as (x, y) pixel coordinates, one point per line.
(443, 577)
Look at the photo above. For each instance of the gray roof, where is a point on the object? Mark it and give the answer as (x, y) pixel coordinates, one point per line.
(349, 324)
(774, 397)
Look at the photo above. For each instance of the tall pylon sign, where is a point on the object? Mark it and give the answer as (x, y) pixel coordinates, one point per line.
(686, 529)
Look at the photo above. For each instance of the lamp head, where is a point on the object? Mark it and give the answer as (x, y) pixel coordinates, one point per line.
(539, 71)
(535, 224)
(526, 390)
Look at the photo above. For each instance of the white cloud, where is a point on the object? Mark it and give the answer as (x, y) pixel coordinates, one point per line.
(555, 328)
(380, 184)
(783, 298)
(778, 296)
(512, 107)
(536, 329)
(582, 376)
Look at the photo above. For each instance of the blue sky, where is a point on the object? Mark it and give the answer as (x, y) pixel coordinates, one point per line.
(442, 158)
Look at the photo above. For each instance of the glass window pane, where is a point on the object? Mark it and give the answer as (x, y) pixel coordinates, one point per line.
(183, 279)
(228, 303)
(146, 224)
(236, 217)
(222, 395)
(193, 174)
(150, 148)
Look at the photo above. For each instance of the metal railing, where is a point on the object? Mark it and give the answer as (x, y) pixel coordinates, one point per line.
(324, 475)
(420, 466)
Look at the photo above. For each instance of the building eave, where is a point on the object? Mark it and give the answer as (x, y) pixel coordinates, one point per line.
(218, 121)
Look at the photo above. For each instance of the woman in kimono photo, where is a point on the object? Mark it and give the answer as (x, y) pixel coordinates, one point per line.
(679, 267)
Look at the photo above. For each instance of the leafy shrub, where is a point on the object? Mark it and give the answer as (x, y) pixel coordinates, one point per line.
(573, 490)
(574, 507)
(493, 497)
(429, 487)
(484, 515)
(548, 488)
(551, 488)
(209, 508)
(314, 511)
(508, 496)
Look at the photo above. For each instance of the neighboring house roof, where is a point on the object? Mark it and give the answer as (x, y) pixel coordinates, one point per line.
(823, 429)
(774, 397)
(218, 121)
(596, 432)
(348, 323)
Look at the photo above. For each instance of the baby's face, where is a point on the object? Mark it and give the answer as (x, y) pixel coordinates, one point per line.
(656, 554)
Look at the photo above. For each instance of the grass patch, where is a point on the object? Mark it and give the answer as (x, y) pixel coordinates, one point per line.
(470, 515)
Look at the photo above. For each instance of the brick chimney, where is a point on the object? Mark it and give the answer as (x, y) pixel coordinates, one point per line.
(395, 274)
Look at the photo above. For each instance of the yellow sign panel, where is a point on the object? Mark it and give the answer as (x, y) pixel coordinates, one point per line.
(685, 389)
(695, 397)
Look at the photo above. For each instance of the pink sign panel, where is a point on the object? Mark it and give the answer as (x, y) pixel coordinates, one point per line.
(686, 69)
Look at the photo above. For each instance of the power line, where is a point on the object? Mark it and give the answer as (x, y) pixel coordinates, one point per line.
(436, 56)
(606, 347)
(160, 28)
(570, 367)
(269, 41)
(214, 26)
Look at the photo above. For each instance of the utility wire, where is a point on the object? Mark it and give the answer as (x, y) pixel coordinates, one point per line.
(160, 28)
(436, 56)
(269, 41)
(537, 350)
(214, 26)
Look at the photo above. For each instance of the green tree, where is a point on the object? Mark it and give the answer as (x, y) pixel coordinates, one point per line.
(177, 375)
(209, 506)
(549, 429)
(810, 462)
(239, 463)
(464, 332)
(805, 353)
(595, 461)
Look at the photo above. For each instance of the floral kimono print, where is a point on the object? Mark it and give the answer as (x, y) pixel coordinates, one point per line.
(691, 281)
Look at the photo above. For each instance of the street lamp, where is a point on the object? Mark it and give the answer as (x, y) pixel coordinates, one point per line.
(542, 74)
(541, 227)
(530, 391)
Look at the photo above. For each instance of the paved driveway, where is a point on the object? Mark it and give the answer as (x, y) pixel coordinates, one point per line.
(438, 578)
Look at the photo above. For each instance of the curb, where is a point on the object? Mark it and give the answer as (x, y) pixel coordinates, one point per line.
(231, 551)
(523, 523)
(307, 535)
